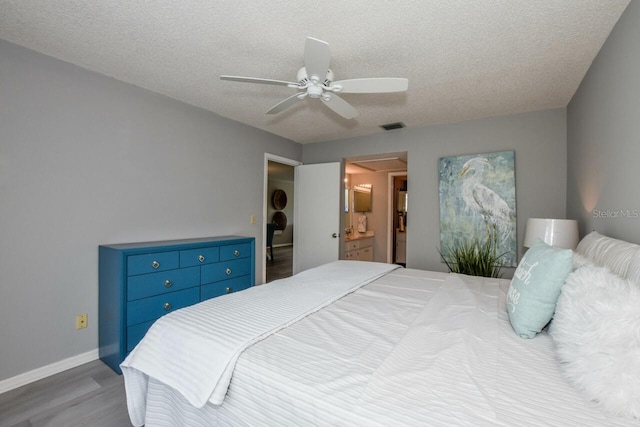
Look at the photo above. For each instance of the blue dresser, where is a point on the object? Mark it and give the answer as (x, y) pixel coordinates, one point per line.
(140, 282)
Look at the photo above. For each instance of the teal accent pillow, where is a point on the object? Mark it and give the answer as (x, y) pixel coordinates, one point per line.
(535, 287)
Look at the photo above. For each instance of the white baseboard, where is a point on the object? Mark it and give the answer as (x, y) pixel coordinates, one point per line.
(46, 371)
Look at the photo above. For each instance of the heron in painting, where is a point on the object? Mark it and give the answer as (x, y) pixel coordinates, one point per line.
(481, 199)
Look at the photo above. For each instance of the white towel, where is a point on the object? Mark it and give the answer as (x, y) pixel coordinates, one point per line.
(362, 224)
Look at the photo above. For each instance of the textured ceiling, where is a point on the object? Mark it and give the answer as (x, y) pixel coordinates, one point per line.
(389, 162)
(464, 59)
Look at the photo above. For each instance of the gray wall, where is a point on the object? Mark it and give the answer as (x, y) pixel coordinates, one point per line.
(539, 141)
(603, 137)
(87, 160)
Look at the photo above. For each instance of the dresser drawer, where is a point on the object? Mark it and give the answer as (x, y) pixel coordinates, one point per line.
(226, 270)
(148, 263)
(147, 285)
(141, 310)
(241, 250)
(366, 254)
(349, 246)
(216, 289)
(351, 255)
(199, 256)
(136, 332)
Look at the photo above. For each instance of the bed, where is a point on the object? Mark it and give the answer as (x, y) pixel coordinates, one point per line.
(388, 346)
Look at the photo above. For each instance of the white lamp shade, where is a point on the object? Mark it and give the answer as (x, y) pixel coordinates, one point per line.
(559, 233)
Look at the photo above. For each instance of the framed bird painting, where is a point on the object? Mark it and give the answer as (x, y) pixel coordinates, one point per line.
(478, 203)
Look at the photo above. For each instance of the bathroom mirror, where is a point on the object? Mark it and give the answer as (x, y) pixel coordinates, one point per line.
(362, 198)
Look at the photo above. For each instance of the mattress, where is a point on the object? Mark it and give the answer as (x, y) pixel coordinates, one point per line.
(410, 348)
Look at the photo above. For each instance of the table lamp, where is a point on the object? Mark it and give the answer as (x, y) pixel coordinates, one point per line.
(559, 233)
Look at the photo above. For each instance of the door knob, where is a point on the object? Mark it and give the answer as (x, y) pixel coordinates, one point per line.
(335, 235)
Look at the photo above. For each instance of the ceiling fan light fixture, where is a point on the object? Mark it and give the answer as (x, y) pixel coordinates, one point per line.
(314, 91)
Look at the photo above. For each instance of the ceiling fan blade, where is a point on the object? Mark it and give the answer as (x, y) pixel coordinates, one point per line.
(316, 58)
(372, 85)
(258, 80)
(284, 104)
(341, 107)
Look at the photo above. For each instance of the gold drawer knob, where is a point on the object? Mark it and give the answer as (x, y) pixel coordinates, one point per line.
(155, 264)
(167, 283)
(228, 271)
(167, 306)
(201, 258)
(229, 289)
(236, 252)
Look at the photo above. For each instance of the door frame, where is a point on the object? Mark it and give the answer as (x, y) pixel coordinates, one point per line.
(390, 195)
(265, 202)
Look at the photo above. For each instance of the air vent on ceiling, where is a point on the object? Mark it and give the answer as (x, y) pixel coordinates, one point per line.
(393, 126)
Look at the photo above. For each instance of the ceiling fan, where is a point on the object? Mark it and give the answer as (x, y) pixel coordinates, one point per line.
(315, 80)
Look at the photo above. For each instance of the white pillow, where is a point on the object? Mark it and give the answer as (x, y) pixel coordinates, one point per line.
(596, 328)
(580, 260)
(608, 252)
(633, 272)
(587, 245)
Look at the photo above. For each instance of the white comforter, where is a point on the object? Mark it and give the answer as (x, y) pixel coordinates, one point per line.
(194, 350)
(410, 348)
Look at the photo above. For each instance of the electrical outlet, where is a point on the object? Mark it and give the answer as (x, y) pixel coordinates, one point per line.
(81, 321)
(253, 219)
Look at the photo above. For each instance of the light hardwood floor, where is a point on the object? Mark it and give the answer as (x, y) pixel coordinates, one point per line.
(88, 395)
(282, 265)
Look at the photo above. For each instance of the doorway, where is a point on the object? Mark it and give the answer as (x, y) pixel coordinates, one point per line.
(278, 212)
(378, 173)
(398, 218)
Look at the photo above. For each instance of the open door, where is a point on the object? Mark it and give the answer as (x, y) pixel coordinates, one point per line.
(316, 239)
